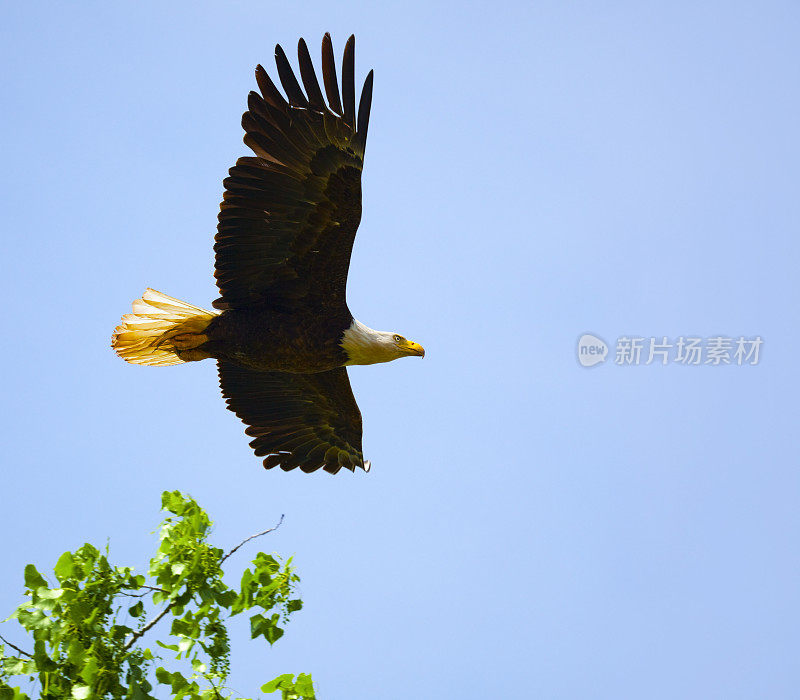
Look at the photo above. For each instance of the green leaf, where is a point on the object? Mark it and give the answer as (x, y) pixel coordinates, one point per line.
(273, 634)
(81, 692)
(301, 688)
(304, 685)
(257, 623)
(76, 653)
(181, 627)
(13, 666)
(51, 593)
(43, 661)
(119, 632)
(65, 566)
(226, 598)
(7, 693)
(136, 610)
(33, 579)
(285, 681)
(89, 672)
(175, 680)
(138, 694)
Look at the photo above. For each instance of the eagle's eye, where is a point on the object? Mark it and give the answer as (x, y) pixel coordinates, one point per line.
(398, 338)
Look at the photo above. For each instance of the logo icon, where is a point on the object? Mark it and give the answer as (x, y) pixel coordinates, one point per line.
(591, 350)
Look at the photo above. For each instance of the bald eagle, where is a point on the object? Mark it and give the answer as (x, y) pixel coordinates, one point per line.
(282, 334)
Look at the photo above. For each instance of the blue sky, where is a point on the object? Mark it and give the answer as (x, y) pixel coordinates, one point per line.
(535, 171)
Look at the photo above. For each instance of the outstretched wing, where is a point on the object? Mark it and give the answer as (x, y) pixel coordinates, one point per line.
(290, 214)
(297, 420)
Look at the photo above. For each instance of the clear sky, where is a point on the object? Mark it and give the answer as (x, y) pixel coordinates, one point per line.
(535, 171)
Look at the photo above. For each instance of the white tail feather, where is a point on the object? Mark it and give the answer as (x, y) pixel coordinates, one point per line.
(145, 337)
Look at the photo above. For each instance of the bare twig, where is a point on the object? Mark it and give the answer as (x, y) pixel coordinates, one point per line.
(16, 648)
(252, 537)
(142, 595)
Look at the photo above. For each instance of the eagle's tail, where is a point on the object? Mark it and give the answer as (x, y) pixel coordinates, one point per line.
(162, 331)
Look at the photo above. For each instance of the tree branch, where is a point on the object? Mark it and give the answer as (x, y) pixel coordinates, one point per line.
(252, 537)
(15, 647)
(142, 595)
(148, 626)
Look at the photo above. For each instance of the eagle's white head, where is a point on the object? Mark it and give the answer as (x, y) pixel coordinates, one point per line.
(365, 346)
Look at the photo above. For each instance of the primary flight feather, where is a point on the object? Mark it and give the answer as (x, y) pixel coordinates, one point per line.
(283, 334)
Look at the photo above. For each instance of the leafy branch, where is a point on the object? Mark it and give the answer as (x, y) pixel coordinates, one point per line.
(84, 649)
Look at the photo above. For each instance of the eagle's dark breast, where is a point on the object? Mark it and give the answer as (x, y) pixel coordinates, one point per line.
(273, 340)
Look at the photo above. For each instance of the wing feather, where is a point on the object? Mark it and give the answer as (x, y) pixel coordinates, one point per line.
(349, 81)
(310, 82)
(289, 215)
(310, 421)
(290, 85)
(364, 107)
(329, 75)
(270, 93)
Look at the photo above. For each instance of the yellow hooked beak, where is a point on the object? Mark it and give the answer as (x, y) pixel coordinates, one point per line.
(413, 348)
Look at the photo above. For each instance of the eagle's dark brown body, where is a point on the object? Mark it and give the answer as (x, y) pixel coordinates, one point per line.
(269, 340)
